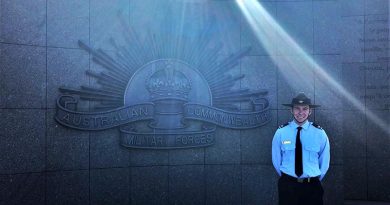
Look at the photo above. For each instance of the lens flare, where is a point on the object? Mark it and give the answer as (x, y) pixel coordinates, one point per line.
(268, 32)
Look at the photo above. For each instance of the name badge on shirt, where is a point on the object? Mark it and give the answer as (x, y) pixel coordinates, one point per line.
(286, 142)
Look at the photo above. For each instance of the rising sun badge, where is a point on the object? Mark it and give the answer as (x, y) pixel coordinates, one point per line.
(164, 96)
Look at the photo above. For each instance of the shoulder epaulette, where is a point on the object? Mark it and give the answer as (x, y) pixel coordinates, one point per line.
(317, 126)
(284, 125)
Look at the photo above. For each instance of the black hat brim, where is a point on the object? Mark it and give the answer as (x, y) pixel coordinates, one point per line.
(311, 106)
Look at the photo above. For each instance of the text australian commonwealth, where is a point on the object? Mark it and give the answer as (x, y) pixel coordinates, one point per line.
(224, 118)
(103, 120)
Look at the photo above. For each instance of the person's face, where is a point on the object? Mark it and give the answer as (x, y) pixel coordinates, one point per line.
(301, 113)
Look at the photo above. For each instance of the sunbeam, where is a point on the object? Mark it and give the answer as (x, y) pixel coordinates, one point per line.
(269, 32)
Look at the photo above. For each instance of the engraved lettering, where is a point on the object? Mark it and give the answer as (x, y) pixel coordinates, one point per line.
(104, 121)
(76, 120)
(86, 122)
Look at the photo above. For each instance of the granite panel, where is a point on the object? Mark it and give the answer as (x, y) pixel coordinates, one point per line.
(23, 22)
(355, 178)
(66, 148)
(171, 28)
(2, 84)
(106, 151)
(332, 122)
(376, 7)
(149, 185)
(22, 189)
(326, 27)
(328, 76)
(68, 187)
(143, 157)
(187, 156)
(223, 184)
(225, 16)
(226, 149)
(110, 186)
(378, 179)
(376, 38)
(377, 86)
(352, 8)
(106, 19)
(352, 39)
(23, 76)
(187, 184)
(354, 134)
(22, 144)
(66, 68)
(251, 38)
(387, 106)
(150, 16)
(1, 27)
(378, 135)
(259, 185)
(333, 185)
(292, 1)
(295, 75)
(294, 18)
(256, 143)
(67, 22)
(164, 20)
(260, 74)
(353, 81)
(180, 37)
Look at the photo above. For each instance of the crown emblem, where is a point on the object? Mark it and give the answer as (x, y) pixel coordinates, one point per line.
(168, 83)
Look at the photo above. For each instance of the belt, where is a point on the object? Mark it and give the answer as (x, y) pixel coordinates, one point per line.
(301, 180)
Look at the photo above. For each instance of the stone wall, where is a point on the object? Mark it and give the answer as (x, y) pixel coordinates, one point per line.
(366, 75)
(43, 162)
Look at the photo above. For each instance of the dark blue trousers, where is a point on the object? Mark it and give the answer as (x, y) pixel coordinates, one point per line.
(292, 192)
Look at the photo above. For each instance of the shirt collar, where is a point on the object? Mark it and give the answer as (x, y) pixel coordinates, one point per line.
(304, 126)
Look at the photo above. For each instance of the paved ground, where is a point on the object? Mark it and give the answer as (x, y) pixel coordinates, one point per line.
(365, 203)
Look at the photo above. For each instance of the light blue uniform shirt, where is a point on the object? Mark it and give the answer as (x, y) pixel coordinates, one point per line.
(315, 150)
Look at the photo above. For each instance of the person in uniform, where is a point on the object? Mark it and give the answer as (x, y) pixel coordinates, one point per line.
(301, 156)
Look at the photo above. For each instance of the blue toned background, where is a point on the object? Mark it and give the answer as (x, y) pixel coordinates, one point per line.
(340, 60)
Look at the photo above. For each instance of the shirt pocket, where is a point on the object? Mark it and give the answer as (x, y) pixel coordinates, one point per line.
(313, 152)
(288, 151)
